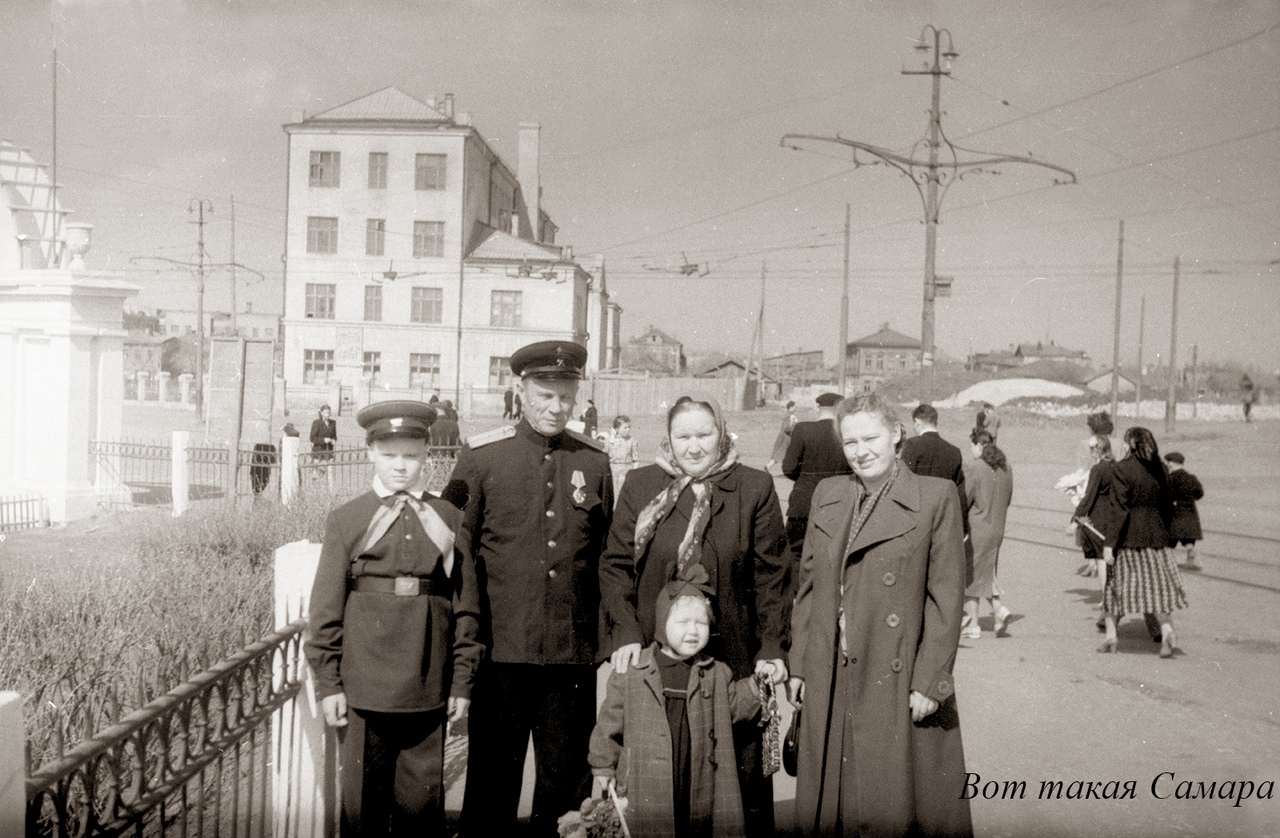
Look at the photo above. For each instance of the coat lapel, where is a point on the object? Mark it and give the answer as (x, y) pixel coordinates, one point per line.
(830, 513)
(894, 514)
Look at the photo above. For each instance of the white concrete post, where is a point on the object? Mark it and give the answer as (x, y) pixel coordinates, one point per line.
(467, 401)
(289, 446)
(142, 378)
(363, 393)
(307, 750)
(13, 781)
(162, 379)
(180, 482)
(184, 387)
(335, 397)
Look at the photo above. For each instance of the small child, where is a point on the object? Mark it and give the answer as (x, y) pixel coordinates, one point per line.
(664, 735)
(392, 632)
(1184, 529)
(622, 451)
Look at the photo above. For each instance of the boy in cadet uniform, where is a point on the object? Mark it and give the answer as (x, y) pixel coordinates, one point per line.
(393, 632)
(538, 500)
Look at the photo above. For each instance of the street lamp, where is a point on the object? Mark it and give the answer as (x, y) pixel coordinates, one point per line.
(931, 177)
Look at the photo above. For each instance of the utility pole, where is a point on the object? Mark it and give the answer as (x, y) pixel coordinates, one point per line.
(1171, 400)
(197, 206)
(844, 312)
(1142, 327)
(55, 246)
(932, 179)
(1195, 379)
(1115, 342)
(234, 329)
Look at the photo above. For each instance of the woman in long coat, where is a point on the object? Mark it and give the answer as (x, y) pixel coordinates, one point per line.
(698, 504)
(874, 635)
(988, 489)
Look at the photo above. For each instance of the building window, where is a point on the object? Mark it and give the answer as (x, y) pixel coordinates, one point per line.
(428, 239)
(504, 309)
(424, 369)
(375, 236)
(377, 170)
(320, 300)
(372, 366)
(324, 168)
(879, 361)
(322, 234)
(373, 303)
(500, 371)
(317, 366)
(428, 171)
(426, 305)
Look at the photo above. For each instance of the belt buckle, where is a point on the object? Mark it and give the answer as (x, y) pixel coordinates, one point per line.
(406, 586)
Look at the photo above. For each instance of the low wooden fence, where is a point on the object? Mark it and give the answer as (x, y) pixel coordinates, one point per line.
(23, 511)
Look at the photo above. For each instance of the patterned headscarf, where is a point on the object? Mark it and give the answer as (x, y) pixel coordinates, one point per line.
(656, 510)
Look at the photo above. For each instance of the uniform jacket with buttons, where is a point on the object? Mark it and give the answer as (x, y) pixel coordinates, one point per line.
(632, 742)
(536, 513)
(392, 653)
(904, 585)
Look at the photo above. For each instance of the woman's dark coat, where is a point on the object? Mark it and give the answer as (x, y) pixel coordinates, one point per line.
(1099, 506)
(903, 610)
(1186, 490)
(1146, 507)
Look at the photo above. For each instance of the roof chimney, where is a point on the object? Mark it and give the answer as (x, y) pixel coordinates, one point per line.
(448, 105)
(530, 185)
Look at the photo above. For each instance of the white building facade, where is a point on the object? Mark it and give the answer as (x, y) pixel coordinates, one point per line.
(415, 258)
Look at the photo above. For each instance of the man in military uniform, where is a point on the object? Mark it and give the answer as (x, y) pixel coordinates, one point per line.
(392, 637)
(537, 509)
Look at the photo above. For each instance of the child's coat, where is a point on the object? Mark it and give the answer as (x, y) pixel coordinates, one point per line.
(632, 742)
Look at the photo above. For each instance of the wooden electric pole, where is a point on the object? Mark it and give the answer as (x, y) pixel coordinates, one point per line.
(1115, 343)
(1171, 400)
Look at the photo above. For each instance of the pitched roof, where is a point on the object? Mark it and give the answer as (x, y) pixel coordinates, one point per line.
(887, 338)
(663, 336)
(1049, 350)
(389, 103)
(730, 362)
(490, 243)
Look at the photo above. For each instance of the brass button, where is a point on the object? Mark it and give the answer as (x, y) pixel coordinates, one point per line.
(551, 513)
(892, 621)
(552, 573)
(408, 536)
(896, 665)
(551, 543)
(944, 688)
(889, 579)
(551, 485)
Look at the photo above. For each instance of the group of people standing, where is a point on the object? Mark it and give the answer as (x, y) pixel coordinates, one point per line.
(497, 601)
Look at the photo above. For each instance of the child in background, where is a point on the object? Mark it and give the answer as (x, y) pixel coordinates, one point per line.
(622, 451)
(664, 736)
(1184, 529)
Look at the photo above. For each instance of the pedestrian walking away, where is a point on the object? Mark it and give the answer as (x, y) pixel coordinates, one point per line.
(781, 441)
(1184, 528)
(988, 490)
(393, 633)
(537, 501)
(873, 643)
(697, 505)
(1141, 575)
(1097, 513)
(928, 454)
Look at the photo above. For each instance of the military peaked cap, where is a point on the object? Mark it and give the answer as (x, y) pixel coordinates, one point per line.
(550, 359)
(828, 400)
(396, 418)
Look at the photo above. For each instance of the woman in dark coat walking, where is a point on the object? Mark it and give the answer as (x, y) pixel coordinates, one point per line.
(874, 636)
(699, 505)
(1141, 574)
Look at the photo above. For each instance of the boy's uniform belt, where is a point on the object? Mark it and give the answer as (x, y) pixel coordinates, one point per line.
(398, 585)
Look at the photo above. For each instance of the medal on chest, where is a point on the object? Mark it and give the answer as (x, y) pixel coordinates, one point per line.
(579, 483)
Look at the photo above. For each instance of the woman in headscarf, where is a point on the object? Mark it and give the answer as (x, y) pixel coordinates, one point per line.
(873, 641)
(1142, 576)
(698, 505)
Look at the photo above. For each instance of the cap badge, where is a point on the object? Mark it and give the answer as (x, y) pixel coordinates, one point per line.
(395, 423)
(559, 360)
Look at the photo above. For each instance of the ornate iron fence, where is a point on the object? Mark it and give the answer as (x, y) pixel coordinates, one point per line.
(199, 760)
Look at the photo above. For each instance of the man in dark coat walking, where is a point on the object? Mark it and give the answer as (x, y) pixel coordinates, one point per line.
(928, 454)
(538, 502)
(814, 454)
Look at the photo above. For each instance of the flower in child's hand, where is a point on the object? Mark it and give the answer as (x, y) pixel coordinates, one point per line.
(570, 825)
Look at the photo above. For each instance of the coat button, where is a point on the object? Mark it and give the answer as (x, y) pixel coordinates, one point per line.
(896, 665)
(551, 513)
(892, 621)
(889, 579)
(551, 485)
(408, 536)
(551, 543)
(944, 687)
(706, 694)
(552, 573)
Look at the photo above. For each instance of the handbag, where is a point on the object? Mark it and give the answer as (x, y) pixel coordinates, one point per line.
(791, 745)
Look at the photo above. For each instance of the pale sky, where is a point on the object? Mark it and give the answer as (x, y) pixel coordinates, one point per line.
(661, 124)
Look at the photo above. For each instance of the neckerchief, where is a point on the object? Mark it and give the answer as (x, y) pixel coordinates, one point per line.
(656, 510)
(863, 505)
(438, 532)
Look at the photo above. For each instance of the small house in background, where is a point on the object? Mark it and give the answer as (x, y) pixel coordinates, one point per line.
(655, 352)
(880, 356)
(771, 388)
(1031, 352)
(1101, 383)
(799, 369)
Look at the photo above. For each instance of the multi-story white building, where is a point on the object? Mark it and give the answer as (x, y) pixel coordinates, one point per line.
(416, 258)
